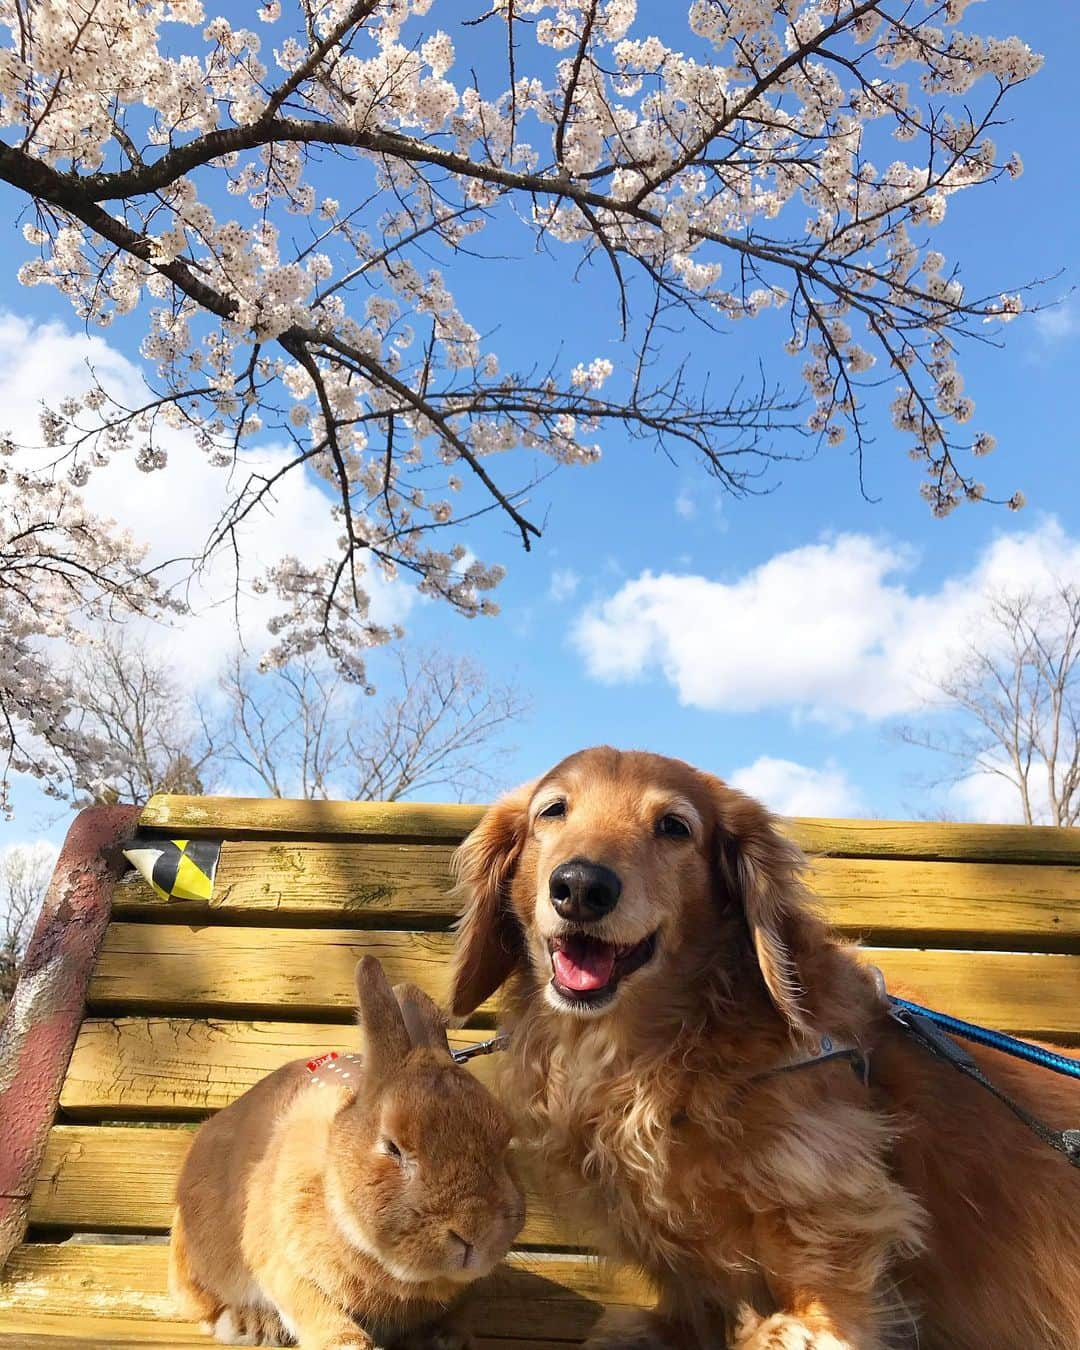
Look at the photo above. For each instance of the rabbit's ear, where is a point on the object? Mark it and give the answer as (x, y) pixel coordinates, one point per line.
(385, 1034)
(426, 1025)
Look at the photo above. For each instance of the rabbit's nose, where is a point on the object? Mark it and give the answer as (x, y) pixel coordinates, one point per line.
(468, 1251)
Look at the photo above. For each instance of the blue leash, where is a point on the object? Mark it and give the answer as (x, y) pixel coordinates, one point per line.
(996, 1040)
(934, 1031)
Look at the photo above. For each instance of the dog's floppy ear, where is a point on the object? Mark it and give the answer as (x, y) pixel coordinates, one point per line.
(490, 942)
(761, 871)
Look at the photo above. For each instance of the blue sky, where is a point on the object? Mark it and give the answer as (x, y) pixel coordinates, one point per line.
(712, 663)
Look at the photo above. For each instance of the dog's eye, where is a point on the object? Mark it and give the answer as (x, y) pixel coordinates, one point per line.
(390, 1147)
(674, 827)
(553, 812)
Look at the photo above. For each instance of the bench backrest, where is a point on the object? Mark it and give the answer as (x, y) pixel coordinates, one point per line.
(189, 1003)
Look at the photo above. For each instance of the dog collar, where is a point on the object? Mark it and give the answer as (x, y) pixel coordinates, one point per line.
(826, 1049)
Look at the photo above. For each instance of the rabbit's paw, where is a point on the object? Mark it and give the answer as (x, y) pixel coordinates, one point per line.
(230, 1328)
(783, 1332)
(251, 1326)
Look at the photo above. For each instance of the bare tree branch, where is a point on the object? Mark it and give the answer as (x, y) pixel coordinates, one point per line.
(303, 732)
(714, 183)
(1015, 694)
(126, 697)
(24, 877)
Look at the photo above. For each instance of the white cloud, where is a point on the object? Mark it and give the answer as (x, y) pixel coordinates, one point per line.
(992, 798)
(792, 789)
(1060, 322)
(685, 505)
(564, 582)
(175, 510)
(985, 797)
(831, 630)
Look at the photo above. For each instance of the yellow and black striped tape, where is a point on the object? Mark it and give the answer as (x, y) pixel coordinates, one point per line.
(178, 869)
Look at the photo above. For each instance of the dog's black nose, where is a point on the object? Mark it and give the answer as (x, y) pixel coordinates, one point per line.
(583, 891)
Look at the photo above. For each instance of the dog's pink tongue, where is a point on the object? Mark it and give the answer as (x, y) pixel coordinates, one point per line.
(583, 964)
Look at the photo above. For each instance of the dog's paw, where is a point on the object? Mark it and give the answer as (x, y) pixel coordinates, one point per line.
(436, 1336)
(630, 1329)
(782, 1332)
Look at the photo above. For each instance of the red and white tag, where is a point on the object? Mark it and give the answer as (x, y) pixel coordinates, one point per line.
(314, 1064)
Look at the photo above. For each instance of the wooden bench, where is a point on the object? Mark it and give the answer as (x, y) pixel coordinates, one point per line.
(136, 1016)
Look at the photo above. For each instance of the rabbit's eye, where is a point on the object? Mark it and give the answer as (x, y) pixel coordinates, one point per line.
(390, 1147)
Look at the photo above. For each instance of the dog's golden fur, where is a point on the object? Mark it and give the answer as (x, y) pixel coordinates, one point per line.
(799, 1211)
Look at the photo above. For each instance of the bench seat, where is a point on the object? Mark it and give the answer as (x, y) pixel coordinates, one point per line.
(137, 1015)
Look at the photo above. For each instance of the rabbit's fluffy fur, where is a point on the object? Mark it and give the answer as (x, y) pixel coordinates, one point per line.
(347, 1205)
(776, 1211)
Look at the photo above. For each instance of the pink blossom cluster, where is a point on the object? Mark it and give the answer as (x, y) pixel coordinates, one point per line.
(60, 567)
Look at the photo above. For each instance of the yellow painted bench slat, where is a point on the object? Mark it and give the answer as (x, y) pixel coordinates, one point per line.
(127, 1068)
(288, 972)
(257, 817)
(233, 972)
(115, 1178)
(404, 885)
(339, 881)
(50, 1331)
(523, 1300)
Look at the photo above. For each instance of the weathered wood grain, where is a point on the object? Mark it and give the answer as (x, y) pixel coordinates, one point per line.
(258, 972)
(408, 885)
(266, 972)
(531, 1297)
(939, 841)
(120, 1179)
(274, 817)
(128, 1068)
(251, 817)
(1028, 994)
(961, 904)
(24, 1330)
(395, 885)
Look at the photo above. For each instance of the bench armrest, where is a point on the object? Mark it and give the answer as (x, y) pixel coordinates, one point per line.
(39, 1030)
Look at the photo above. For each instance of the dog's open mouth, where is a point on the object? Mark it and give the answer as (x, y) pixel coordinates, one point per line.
(586, 970)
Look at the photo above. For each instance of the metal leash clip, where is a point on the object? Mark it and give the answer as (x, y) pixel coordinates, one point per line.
(491, 1047)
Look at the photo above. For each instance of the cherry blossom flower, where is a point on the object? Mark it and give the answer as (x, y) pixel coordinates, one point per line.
(282, 205)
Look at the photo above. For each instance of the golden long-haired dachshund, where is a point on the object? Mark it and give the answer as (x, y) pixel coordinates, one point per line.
(663, 967)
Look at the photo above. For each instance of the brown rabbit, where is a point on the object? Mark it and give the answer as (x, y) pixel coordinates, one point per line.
(345, 1201)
